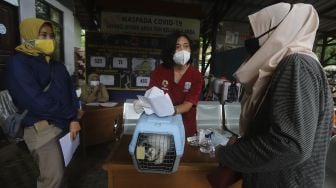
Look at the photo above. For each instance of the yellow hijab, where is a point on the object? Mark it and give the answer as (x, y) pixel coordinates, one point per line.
(29, 30)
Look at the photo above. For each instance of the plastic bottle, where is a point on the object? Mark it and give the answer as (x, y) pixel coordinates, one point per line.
(207, 146)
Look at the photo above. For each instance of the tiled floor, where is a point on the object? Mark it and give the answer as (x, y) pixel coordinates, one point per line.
(86, 171)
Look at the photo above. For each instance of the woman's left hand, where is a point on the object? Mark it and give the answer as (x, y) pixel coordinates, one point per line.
(74, 129)
(232, 140)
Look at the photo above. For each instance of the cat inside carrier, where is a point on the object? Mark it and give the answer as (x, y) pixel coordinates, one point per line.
(157, 143)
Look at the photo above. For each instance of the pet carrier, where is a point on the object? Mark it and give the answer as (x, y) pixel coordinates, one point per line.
(157, 143)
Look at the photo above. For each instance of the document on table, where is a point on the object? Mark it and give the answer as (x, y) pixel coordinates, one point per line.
(68, 147)
(93, 104)
(108, 104)
(104, 104)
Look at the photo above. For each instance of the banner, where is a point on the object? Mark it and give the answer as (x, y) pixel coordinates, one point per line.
(121, 23)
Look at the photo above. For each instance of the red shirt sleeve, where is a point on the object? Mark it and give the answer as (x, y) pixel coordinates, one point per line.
(154, 79)
(193, 95)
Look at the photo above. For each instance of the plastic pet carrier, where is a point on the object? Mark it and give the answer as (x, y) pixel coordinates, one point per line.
(157, 143)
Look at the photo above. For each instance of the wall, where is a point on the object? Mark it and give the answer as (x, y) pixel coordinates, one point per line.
(77, 31)
(71, 35)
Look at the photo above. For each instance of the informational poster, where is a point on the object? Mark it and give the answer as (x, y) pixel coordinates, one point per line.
(124, 62)
(231, 35)
(128, 47)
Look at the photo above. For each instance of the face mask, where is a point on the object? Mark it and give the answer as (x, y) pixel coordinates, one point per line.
(94, 83)
(46, 46)
(181, 57)
(252, 44)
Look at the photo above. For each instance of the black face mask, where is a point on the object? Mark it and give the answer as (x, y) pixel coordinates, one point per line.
(252, 44)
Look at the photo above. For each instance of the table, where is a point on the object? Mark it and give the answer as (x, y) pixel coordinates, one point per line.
(100, 124)
(191, 172)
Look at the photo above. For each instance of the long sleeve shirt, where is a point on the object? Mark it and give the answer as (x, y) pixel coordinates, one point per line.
(89, 95)
(27, 76)
(285, 145)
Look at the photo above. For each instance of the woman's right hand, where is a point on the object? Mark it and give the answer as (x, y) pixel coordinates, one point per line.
(74, 128)
(95, 89)
(139, 106)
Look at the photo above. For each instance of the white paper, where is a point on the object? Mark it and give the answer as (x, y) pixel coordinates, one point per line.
(158, 102)
(154, 92)
(68, 147)
(107, 79)
(104, 104)
(92, 104)
(145, 102)
(108, 104)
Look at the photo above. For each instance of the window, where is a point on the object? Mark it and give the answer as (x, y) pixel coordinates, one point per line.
(48, 12)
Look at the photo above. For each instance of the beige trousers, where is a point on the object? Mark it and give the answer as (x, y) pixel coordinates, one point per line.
(45, 149)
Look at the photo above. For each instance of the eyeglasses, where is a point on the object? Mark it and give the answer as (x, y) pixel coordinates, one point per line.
(45, 35)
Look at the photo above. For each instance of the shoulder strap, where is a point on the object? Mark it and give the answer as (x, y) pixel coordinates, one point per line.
(51, 77)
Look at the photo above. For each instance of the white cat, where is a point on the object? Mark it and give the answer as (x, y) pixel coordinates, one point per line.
(158, 146)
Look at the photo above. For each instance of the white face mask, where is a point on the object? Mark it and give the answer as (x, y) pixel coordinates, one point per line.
(181, 57)
(94, 83)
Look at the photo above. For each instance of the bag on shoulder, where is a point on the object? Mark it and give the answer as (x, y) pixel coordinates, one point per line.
(10, 119)
(12, 126)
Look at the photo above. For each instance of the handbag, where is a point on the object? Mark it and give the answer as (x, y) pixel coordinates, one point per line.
(223, 177)
(12, 127)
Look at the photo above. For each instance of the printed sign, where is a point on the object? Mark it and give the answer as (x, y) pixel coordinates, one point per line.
(120, 62)
(148, 24)
(97, 61)
(107, 80)
(142, 81)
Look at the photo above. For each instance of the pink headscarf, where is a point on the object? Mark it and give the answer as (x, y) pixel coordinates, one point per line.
(295, 34)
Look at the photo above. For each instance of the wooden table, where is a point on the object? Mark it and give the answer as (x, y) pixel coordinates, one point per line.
(191, 172)
(100, 124)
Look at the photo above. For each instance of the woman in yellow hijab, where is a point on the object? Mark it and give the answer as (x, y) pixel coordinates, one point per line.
(37, 39)
(51, 112)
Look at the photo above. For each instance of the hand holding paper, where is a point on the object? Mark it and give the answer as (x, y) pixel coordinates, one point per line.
(139, 106)
(69, 147)
(155, 101)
